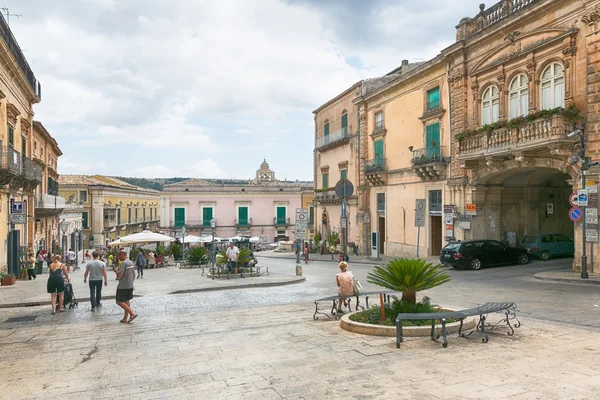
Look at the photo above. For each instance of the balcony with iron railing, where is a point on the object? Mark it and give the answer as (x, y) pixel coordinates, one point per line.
(468, 27)
(13, 160)
(27, 170)
(530, 135)
(333, 140)
(189, 224)
(242, 222)
(376, 171)
(48, 205)
(15, 50)
(281, 221)
(430, 163)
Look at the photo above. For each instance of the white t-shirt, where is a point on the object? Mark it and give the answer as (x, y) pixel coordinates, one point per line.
(71, 255)
(232, 253)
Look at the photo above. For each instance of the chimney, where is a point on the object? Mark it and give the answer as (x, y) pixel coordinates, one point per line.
(404, 62)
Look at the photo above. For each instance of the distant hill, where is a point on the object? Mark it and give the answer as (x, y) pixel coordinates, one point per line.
(154, 183)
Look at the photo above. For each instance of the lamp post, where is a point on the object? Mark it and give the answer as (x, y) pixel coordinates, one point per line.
(64, 225)
(183, 242)
(586, 163)
(213, 225)
(367, 220)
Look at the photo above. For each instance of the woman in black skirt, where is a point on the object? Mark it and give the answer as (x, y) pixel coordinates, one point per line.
(56, 283)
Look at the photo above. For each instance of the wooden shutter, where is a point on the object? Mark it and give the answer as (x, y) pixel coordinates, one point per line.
(344, 174)
(85, 219)
(345, 123)
(243, 215)
(378, 149)
(179, 217)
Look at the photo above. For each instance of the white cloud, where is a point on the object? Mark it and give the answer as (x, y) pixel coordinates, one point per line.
(198, 169)
(68, 167)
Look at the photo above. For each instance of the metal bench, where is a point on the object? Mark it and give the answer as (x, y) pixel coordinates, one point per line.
(218, 270)
(335, 300)
(508, 308)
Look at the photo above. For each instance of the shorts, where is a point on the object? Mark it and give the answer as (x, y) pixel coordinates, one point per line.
(124, 295)
(56, 284)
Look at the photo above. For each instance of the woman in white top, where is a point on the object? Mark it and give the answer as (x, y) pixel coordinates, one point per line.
(345, 282)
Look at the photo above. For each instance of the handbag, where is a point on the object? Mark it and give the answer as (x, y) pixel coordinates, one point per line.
(357, 287)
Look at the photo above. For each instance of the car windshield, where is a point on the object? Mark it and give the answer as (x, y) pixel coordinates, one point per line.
(529, 239)
(452, 246)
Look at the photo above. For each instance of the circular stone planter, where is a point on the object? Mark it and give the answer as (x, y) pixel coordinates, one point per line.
(407, 331)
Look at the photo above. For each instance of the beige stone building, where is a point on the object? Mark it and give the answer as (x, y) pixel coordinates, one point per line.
(405, 156)
(111, 208)
(513, 71)
(19, 176)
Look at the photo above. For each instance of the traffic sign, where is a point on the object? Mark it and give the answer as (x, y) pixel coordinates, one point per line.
(18, 219)
(471, 209)
(574, 200)
(550, 208)
(420, 212)
(582, 197)
(344, 189)
(301, 223)
(575, 214)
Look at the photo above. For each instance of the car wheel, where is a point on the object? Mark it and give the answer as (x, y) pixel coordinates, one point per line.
(544, 255)
(475, 264)
(523, 258)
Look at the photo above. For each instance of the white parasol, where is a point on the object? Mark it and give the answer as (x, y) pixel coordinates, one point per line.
(142, 237)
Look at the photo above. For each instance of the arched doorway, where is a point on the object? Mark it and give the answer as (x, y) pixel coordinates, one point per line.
(514, 202)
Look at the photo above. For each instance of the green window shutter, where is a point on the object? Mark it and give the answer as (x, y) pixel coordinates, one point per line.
(85, 219)
(343, 174)
(23, 146)
(243, 215)
(281, 215)
(345, 123)
(433, 98)
(207, 215)
(432, 135)
(11, 136)
(378, 149)
(325, 180)
(118, 216)
(179, 217)
(311, 218)
(129, 215)
(326, 129)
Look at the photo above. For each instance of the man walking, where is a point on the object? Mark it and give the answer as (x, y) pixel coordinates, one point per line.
(96, 270)
(126, 276)
(71, 257)
(141, 263)
(232, 258)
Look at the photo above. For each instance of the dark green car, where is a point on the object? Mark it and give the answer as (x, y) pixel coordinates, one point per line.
(548, 245)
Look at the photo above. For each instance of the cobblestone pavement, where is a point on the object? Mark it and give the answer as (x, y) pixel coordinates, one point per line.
(261, 343)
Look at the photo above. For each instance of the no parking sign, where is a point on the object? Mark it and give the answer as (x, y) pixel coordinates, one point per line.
(575, 214)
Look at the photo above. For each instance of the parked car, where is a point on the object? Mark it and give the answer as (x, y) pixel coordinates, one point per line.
(548, 245)
(475, 254)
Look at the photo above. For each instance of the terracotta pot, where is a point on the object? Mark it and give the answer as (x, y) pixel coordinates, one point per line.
(8, 281)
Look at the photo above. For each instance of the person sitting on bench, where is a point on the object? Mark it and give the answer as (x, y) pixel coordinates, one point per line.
(345, 283)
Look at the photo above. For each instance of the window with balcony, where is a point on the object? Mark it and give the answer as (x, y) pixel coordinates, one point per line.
(433, 99)
(179, 217)
(11, 136)
(378, 152)
(553, 87)
(379, 120)
(207, 215)
(432, 140)
(281, 215)
(518, 96)
(84, 220)
(490, 106)
(345, 123)
(343, 174)
(243, 216)
(380, 203)
(83, 196)
(325, 177)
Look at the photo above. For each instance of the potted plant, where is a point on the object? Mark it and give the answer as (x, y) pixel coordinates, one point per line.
(196, 255)
(8, 279)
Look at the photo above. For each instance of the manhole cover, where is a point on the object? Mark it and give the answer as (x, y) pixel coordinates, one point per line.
(26, 318)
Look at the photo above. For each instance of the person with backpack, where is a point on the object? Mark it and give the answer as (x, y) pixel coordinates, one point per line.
(141, 262)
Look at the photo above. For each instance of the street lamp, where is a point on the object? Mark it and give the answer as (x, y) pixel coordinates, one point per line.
(586, 163)
(64, 225)
(213, 225)
(183, 239)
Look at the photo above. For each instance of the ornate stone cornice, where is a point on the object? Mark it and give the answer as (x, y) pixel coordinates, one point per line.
(12, 112)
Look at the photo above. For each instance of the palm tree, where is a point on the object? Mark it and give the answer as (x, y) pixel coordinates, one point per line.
(244, 257)
(408, 276)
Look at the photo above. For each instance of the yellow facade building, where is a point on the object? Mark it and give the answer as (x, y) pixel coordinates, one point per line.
(111, 208)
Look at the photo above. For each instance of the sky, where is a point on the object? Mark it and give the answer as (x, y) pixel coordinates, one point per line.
(207, 89)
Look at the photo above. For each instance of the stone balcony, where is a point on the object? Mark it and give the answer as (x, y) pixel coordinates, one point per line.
(538, 136)
(336, 139)
(48, 205)
(430, 163)
(376, 171)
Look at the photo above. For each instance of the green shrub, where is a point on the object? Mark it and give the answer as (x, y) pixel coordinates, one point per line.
(177, 251)
(244, 257)
(196, 255)
(408, 276)
(373, 315)
(161, 250)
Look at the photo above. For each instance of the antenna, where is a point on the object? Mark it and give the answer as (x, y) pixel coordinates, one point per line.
(8, 14)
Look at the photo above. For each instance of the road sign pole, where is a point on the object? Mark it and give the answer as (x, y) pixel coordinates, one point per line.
(418, 238)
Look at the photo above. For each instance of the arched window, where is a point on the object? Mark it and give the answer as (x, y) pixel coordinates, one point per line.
(553, 86)
(518, 96)
(490, 106)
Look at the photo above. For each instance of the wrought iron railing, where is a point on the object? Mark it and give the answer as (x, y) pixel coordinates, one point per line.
(430, 155)
(13, 160)
(14, 48)
(281, 221)
(332, 138)
(243, 222)
(27, 170)
(375, 165)
(38, 174)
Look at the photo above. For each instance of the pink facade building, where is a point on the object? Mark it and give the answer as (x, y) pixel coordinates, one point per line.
(262, 206)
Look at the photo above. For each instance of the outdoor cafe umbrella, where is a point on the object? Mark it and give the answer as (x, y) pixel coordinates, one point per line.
(142, 237)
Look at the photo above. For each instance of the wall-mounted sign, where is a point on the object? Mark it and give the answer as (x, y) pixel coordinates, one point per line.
(18, 219)
(582, 197)
(471, 209)
(17, 207)
(550, 208)
(420, 213)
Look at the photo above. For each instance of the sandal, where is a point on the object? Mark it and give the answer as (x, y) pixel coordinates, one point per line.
(132, 318)
(123, 321)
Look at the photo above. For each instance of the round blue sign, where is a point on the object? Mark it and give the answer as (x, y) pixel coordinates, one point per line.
(575, 214)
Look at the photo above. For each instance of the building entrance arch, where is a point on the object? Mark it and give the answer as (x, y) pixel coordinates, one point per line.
(521, 200)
